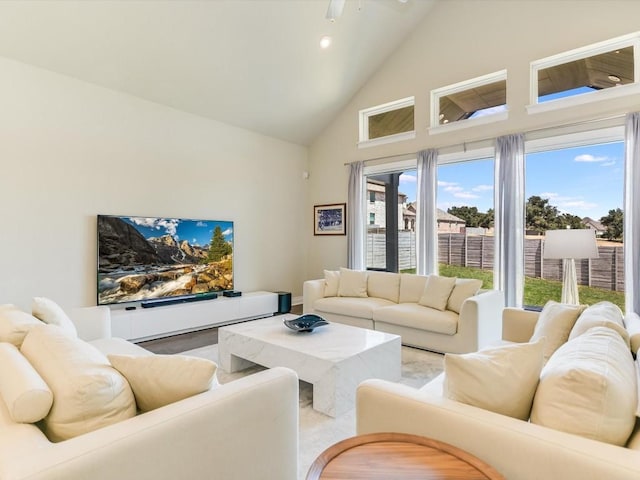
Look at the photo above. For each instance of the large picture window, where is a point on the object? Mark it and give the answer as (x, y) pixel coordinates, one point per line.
(390, 239)
(584, 191)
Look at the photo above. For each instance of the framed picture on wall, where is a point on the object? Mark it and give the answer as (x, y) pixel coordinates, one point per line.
(330, 219)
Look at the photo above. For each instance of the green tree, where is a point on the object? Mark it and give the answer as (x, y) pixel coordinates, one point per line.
(219, 247)
(487, 219)
(470, 215)
(540, 216)
(566, 220)
(614, 222)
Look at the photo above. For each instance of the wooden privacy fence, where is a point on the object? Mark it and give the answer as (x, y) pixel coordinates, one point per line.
(606, 272)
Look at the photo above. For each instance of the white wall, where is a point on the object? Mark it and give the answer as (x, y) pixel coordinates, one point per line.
(460, 40)
(70, 150)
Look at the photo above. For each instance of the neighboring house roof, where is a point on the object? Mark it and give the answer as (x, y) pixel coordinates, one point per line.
(443, 216)
(447, 217)
(596, 225)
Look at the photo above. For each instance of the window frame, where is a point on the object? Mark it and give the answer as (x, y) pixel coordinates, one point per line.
(363, 121)
(631, 40)
(438, 93)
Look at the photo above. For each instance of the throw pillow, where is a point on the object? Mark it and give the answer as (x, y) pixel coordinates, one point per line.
(331, 283)
(158, 380)
(436, 292)
(353, 283)
(555, 323)
(501, 379)
(588, 388)
(384, 285)
(463, 289)
(50, 312)
(88, 392)
(27, 398)
(601, 314)
(15, 324)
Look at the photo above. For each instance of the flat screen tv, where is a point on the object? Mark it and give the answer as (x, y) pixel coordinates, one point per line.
(147, 258)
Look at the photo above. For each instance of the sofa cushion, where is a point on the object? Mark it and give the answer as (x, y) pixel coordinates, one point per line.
(353, 283)
(411, 287)
(88, 392)
(413, 315)
(588, 388)
(158, 380)
(15, 324)
(601, 314)
(331, 283)
(384, 285)
(463, 289)
(501, 379)
(351, 306)
(50, 312)
(555, 323)
(26, 396)
(436, 292)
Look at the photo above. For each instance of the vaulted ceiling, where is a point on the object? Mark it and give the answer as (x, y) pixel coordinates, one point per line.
(255, 64)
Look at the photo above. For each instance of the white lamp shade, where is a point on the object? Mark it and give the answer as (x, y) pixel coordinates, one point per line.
(570, 244)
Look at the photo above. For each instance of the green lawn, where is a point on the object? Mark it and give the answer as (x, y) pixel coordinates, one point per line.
(536, 290)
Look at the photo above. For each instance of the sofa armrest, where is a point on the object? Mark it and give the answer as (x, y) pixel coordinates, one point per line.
(632, 323)
(515, 448)
(481, 314)
(312, 290)
(246, 429)
(518, 324)
(92, 323)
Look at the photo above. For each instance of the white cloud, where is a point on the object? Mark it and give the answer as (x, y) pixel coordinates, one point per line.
(169, 225)
(581, 204)
(442, 183)
(467, 195)
(408, 178)
(201, 224)
(586, 157)
(228, 231)
(482, 188)
(549, 195)
(608, 164)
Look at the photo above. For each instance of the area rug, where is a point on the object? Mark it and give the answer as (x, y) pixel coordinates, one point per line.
(318, 431)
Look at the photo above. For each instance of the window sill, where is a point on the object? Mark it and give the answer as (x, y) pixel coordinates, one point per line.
(468, 123)
(398, 137)
(584, 99)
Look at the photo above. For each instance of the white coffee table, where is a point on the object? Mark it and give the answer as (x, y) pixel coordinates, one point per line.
(334, 358)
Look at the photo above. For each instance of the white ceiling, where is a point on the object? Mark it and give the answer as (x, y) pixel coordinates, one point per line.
(255, 64)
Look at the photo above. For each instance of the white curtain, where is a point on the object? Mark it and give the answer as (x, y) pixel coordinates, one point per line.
(356, 217)
(631, 210)
(508, 264)
(426, 213)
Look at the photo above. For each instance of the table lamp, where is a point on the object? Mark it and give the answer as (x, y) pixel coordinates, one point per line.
(568, 245)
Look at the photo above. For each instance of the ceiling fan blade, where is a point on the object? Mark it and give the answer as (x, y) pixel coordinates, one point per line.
(335, 9)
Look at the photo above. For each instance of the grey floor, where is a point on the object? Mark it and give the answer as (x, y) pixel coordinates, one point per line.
(190, 340)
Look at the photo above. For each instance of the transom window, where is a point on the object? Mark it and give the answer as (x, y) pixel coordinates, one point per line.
(390, 122)
(603, 70)
(479, 100)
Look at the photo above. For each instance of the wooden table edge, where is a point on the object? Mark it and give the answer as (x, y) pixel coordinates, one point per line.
(316, 468)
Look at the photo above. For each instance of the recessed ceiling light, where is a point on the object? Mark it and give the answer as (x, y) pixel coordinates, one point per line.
(325, 41)
(613, 78)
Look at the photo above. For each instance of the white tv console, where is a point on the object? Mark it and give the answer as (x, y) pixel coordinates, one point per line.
(160, 321)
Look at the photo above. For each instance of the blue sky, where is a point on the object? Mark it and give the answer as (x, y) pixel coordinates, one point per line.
(583, 181)
(196, 232)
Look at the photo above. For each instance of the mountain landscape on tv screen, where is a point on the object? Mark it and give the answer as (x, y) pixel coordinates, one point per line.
(133, 265)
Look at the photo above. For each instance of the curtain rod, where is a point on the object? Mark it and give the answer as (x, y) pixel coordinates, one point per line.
(464, 145)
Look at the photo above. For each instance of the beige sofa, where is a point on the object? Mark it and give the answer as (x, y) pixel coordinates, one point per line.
(520, 450)
(464, 319)
(244, 430)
